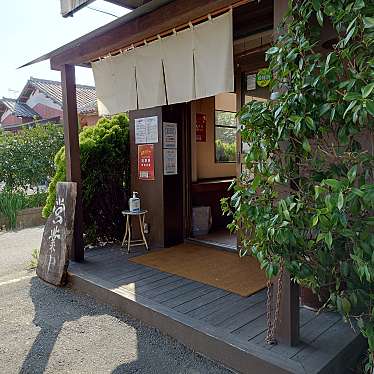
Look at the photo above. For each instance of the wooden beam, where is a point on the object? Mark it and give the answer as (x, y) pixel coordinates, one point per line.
(288, 331)
(72, 154)
(126, 33)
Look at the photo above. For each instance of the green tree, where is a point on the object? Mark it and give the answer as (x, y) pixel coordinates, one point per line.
(105, 165)
(308, 203)
(26, 157)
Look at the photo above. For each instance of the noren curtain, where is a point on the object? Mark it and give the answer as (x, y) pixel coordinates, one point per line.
(194, 63)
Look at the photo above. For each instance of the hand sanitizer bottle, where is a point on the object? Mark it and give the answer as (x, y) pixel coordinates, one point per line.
(134, 203)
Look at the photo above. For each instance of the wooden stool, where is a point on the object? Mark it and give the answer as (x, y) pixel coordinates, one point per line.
(127, 238)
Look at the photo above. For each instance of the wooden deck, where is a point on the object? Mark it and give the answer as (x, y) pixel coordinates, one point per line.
(221, 325)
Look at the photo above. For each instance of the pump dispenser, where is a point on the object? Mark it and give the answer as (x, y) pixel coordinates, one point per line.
(134, 203)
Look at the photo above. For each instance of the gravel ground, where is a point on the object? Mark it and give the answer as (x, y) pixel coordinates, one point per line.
(52, 330)
(16, 248)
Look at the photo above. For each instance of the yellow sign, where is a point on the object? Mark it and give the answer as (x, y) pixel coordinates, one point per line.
(263, 77)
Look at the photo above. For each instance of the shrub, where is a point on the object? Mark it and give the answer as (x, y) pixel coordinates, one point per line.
(104, 153)
(225, 152)
(11, 202)
(26, 157)
(308, 202)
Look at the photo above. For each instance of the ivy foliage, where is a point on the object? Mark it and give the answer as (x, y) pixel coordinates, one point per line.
(306, 199)
(105, 168)
(26, 157)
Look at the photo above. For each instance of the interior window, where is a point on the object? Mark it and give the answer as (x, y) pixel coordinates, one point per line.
(225, 136)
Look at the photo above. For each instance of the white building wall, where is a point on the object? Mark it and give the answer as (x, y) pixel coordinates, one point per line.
(39, 98)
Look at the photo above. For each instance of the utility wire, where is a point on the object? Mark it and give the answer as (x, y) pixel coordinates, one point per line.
(102, 11)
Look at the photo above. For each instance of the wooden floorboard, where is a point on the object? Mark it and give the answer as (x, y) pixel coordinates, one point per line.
(188, 296)
(241, 319)
(228, 327)
(119, 277)
(213, 306)
(149, 281)
(201, 301)
(135, 276)
(233, 309)
(316, 326)
(166, 280)
(252, 329)
(167, 288)
(108, 269)
(178, 291)
(339, 338)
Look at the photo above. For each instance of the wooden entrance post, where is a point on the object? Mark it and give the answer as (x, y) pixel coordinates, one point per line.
(288, 331)
(72, 154)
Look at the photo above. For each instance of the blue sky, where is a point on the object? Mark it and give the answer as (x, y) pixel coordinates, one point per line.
(30, 28)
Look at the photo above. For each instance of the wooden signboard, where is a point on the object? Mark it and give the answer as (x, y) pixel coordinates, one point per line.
(58, 236)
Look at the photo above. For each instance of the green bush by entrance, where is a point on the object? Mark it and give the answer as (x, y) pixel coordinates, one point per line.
(105, 166)
(307, 203)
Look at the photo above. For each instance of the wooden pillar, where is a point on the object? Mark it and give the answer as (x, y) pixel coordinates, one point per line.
(288, 331)
(72, 154)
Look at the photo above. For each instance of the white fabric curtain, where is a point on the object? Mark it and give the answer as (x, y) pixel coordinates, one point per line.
(191, 64)
(150, 76)
(213, 55)
(177, 56)
(115, 84)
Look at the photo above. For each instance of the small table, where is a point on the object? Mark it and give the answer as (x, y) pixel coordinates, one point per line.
(127, 238)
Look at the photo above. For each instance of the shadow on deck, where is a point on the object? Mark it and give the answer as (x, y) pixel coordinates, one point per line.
(221, 325)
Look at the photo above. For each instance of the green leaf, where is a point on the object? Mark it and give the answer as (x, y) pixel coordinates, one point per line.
(370, 106)
(340, 200)
(256, 182)
(352, 173)
(314, 221)
(324, 109)
(272, 50)
(296, 119)
(346, 305)
(316, 4)
(349, 35)
(321, 236)
(310, 123)
(349, 96)
(328, 239)
(358, 192)
(306, 146)
(335, 184)
(350, 106)
(320, 18)
(366, 91)
(368, 22)
(332, 114)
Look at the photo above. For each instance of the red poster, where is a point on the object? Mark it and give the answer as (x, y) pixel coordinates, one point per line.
(200, 127)
(146, 162)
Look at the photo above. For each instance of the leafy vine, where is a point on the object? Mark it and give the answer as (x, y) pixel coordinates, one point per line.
(306, 198)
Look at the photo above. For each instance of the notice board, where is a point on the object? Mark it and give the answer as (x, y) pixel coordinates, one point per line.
(146, 162)
(200, 127)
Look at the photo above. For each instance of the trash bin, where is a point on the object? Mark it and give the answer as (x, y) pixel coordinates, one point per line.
(201, 220)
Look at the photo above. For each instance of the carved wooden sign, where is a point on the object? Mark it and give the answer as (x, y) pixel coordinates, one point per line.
(58, 236)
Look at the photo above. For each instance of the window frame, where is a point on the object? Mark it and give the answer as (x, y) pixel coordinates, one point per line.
(215, 138)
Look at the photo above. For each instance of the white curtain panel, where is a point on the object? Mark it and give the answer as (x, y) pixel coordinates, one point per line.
(177, 56)
(123, 66)
(213, 55)
(115, 84)
(198, 63)
(104, 82)
(150, 76)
